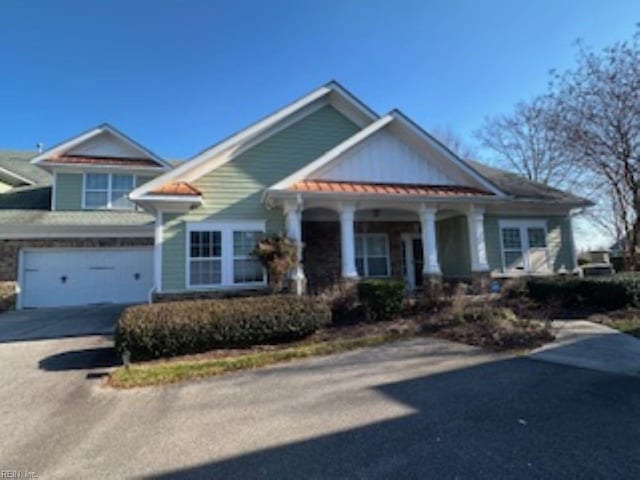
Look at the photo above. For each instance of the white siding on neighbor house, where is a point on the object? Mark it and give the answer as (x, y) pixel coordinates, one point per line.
(106, 145)
(384, 158)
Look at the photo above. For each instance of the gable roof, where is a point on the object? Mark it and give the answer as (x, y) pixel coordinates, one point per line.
(519, 187)
(59, 154)
(227, 149)
(358, 138)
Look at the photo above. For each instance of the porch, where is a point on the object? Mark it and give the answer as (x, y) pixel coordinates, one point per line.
(418, 243)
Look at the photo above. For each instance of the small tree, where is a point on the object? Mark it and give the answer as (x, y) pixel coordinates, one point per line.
(279, 255)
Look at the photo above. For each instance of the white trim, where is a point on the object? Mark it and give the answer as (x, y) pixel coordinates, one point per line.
(365, 253)
(332, 154)
(212, 157)
(157, 252)
(69, 231)
(226, 229)
(20, 279)
(169, 198)
(83, 167)
(54, 200)
(104, 128)
(523, 225)
(109, 206)
(17, 176)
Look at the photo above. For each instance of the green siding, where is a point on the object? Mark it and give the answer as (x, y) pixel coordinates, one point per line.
(453, 247)
(559, 240)
(68, 191)
(234, 190)
(142, 180)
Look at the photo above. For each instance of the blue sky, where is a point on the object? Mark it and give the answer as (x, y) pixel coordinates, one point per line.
(180, 75)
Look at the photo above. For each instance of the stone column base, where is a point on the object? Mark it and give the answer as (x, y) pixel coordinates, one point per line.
(432, 285)
(480, 282)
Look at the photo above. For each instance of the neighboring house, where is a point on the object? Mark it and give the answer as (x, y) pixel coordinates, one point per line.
(366, 195)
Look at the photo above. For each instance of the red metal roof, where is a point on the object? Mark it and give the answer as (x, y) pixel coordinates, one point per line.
(388, 188)
(176, 188)
(96, 160)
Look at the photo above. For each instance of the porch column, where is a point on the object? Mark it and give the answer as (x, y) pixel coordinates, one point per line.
(431, 265)
(347, 241)
(293, 221)
(477, 246)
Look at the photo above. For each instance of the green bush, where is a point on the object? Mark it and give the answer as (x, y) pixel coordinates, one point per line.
(608, 293)
(382, 299)
(179, 328)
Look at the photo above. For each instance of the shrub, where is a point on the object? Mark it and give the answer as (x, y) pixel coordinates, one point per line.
(179, 328)
(382, 299)
(608, 293)
(278, 255)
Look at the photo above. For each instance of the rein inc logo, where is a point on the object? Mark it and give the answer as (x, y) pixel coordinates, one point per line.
(17, 474)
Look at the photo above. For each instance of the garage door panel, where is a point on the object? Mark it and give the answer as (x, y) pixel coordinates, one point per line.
(86, 276)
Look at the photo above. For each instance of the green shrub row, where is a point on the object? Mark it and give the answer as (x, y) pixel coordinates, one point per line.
(609, 293)
(179, 328)
(382, 299)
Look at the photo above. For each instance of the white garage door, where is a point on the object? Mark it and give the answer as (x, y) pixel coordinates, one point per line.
(55, 278)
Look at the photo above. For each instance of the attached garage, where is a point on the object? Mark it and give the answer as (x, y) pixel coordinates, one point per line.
(84, 276)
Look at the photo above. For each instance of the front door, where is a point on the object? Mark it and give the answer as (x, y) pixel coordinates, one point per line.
(412, 259)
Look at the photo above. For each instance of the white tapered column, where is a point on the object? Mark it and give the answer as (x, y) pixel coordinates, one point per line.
(347, 241)
(431, 265)
(477, 245)
(293, 221)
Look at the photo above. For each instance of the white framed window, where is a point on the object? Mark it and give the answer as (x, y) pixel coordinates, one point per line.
(246, 268)
(372, 255)
(219, 254)
(524, 246)
(108, 191)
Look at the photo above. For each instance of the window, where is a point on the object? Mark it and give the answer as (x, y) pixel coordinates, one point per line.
(524, 246)
(246, 268)
(372, 255)
(108, 191)
(205, 258)
(220, 254)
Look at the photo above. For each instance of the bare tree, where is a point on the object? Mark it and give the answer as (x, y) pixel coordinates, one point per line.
(523, 142)
(595, 116)
(454, 142)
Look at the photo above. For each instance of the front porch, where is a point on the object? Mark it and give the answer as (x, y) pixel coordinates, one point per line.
(349, 241)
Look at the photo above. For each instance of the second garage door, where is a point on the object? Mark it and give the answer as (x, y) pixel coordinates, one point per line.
(54, 278)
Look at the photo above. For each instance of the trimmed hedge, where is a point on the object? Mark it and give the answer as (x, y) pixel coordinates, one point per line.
(609, 293)
(382, 299)
(180, 328)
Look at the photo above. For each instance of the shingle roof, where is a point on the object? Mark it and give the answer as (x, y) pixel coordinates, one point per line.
(388, 188)
(18, 162)
(521, 188)
(74, 218)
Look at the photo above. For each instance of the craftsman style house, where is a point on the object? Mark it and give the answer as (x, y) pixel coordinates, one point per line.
(364, 195)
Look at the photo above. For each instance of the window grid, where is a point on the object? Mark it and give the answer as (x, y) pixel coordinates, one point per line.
(205, 258)
(246, 268)
(518, 244)
(108, 191)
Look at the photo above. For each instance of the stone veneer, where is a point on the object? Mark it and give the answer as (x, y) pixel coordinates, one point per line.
(9, 249)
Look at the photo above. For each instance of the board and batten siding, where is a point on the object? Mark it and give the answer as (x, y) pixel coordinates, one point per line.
(559, 240)
(234, 190)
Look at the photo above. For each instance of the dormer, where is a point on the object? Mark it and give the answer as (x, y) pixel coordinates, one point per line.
(98, 169)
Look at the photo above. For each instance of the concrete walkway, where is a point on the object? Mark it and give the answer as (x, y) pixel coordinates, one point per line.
(580, 343)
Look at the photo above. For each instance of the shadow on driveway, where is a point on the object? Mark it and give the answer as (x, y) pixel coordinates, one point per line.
(514, 418)
(90, 358)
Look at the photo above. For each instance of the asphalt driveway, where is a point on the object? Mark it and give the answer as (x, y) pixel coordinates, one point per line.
(418, 409)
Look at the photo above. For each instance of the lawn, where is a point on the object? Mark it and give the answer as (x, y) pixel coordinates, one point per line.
(177, 370)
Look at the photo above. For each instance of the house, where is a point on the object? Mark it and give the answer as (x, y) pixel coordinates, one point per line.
(364, 195)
